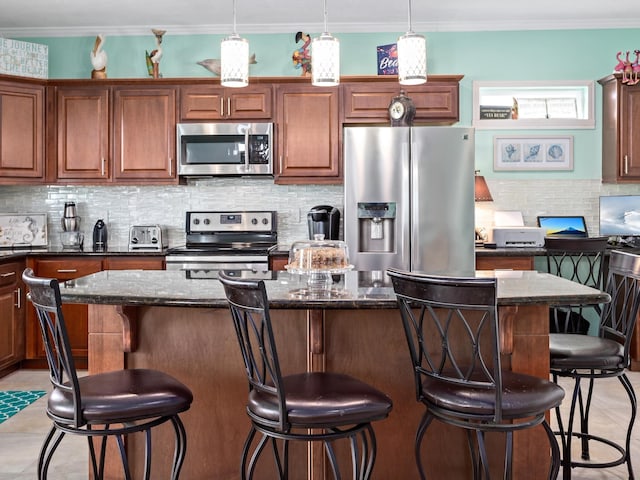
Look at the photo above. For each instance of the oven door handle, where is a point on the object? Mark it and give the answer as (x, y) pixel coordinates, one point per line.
(247, 132)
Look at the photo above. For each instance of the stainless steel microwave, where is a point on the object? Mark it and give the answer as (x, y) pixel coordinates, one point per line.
(214, 149)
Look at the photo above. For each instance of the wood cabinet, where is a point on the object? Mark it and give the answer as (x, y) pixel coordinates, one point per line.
(308, 137)
(62, 268)
(144, 131)
(278, 261)
(436, 101)
(114, 134)
(620, 131)
(21, 132)
(70, 268)
(507, 262)
(212, 102)
(83, 126)
(133, 263)
(12, 314)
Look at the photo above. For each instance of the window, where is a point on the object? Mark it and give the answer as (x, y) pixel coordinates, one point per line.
(529, 105)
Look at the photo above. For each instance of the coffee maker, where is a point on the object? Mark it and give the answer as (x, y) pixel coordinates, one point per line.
(100, 236)
(324, 220)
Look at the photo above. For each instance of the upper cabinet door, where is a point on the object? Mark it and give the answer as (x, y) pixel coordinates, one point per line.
(212, 102)
(21, 133)
(620, 131)
(144, 132)
(436, 101)
(83, 133)
(308, 134)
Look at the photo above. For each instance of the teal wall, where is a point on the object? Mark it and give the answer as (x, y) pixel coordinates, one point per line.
(528, 55)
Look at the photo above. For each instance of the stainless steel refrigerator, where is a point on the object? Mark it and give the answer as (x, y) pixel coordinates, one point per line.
(409, 198)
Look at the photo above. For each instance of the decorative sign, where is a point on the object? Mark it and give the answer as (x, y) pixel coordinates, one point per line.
(387, 59)
(24, 58)
(23, 230)
(494, 112)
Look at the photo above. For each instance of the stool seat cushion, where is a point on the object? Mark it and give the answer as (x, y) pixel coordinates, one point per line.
(569, 351)
(321, 399)
(124, 395)
(522, 396)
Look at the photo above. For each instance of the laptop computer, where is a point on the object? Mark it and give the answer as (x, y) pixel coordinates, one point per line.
(563, 226)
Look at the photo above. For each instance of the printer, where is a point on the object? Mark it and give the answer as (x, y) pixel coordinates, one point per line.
(532, 237)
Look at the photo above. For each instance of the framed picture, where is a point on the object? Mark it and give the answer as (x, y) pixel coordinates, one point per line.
(524, 152)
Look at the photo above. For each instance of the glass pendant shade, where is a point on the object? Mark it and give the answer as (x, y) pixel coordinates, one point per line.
(234, 61)
(412, 59)
(325, 61)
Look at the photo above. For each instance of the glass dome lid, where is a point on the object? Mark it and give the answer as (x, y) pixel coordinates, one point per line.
(318, 255)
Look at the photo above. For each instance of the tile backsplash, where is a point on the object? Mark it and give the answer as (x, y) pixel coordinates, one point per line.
(123, 206)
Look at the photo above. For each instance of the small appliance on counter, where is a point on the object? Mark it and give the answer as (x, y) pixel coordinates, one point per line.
(100, 236)
(532, 237)
(147, 238)
(324, 220)
(71, 237)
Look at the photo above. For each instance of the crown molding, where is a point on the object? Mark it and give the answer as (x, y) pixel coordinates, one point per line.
(336, 28)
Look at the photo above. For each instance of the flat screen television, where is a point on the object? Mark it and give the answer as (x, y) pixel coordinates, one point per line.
(620, 215)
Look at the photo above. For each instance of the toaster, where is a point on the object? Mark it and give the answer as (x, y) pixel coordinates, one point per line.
(147, 237)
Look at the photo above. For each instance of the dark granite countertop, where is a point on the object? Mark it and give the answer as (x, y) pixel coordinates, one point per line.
(286, 290)
(282, 250)
(8, 253)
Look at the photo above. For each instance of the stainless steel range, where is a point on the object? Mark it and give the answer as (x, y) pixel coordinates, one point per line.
(236, 242)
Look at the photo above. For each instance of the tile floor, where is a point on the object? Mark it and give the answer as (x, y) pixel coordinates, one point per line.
(21, 435)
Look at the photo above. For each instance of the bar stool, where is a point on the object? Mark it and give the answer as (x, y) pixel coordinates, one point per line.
(313, 406)
(585, 357)
(451, 326)
(111, 404)
(579, 260)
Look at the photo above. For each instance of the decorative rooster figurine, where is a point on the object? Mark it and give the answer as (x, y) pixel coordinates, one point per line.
(99, 59)
(301, 56)
(153, 58)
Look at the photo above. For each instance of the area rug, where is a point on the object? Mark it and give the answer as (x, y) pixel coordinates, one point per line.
(12, 401)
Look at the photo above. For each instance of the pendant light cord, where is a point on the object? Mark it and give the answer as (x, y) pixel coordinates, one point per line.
(325, 17)
(410, 29)
(234, 17)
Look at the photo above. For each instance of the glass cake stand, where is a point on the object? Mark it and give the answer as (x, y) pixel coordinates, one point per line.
(319, 279)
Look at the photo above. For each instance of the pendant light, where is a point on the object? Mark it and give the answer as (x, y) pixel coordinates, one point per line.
(325, 58)
(234, 58)
(412, 57)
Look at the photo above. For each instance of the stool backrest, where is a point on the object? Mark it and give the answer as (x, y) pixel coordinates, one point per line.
(249, 308)
(619, 317)
(451, 328)
(44, 294)
(580, 260)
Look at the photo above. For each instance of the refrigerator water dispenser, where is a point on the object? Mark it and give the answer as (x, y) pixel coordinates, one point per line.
(376, 226)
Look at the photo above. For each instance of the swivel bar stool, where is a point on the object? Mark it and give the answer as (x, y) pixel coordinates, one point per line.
(312, 406)
(111, 404)
(586, 357)
(451, 326)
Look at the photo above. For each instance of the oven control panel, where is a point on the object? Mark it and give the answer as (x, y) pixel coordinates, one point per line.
(246, 221)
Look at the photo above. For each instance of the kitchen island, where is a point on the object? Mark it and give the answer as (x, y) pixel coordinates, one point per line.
(173, 322)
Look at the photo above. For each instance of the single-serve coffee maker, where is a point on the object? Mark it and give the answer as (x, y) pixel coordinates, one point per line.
(324, 220)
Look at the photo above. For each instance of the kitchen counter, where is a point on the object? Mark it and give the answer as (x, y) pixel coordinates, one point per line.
(164, 320)
(285, 290)
(88, 252)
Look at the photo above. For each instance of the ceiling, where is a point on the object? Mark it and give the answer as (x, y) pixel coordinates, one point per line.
(33, 18)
